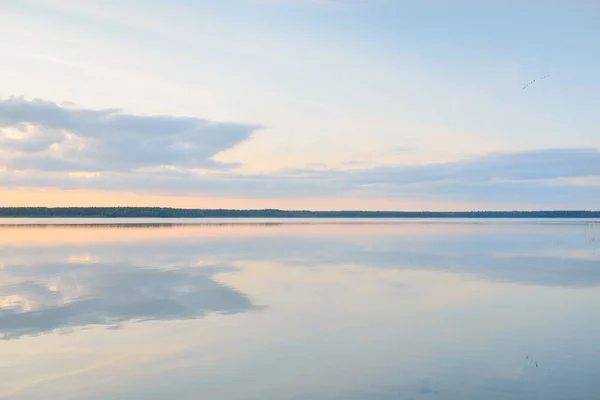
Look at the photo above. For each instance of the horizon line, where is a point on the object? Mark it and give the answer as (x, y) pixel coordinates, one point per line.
(291, 210)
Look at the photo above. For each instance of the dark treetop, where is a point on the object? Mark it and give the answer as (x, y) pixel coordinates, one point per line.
(158, 212)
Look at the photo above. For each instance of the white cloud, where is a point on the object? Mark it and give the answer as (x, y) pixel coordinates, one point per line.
(42, 135)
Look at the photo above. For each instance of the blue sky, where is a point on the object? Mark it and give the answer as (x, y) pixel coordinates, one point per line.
(301, 103)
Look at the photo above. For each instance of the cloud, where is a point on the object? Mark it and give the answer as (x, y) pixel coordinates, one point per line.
(531, 176)
(42, 135)
(44, 144)
(518, 166)
(543, 178)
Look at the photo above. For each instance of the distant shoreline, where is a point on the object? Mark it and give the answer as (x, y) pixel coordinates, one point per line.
(160, 212)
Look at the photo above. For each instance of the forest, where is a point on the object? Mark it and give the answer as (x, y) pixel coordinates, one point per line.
(161, 212)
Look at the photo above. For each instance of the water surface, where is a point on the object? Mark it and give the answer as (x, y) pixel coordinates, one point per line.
(303, 309)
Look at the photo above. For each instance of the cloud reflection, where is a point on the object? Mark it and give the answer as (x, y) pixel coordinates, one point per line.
(46, 297)
(546, 257)
(109, 284)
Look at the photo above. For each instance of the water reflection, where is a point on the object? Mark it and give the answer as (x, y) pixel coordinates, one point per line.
(407, 310)
(39, 298)
(561, 255)
(42, 291)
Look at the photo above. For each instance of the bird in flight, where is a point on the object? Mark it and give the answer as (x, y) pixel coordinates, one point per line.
(543, 77)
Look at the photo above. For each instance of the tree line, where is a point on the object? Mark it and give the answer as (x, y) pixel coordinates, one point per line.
(162, 212)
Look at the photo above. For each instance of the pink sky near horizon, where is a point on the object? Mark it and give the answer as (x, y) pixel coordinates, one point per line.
(89, 198)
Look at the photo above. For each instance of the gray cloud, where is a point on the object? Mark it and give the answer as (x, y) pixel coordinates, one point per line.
(518, 166)
(56, 138)
(126, 149)
(537, 178)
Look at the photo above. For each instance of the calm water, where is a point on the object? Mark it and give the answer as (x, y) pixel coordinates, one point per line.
(251, 310)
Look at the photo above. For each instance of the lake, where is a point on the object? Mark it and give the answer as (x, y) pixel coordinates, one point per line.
(300, 309)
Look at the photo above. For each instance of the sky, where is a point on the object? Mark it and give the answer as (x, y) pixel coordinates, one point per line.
(303, 104)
